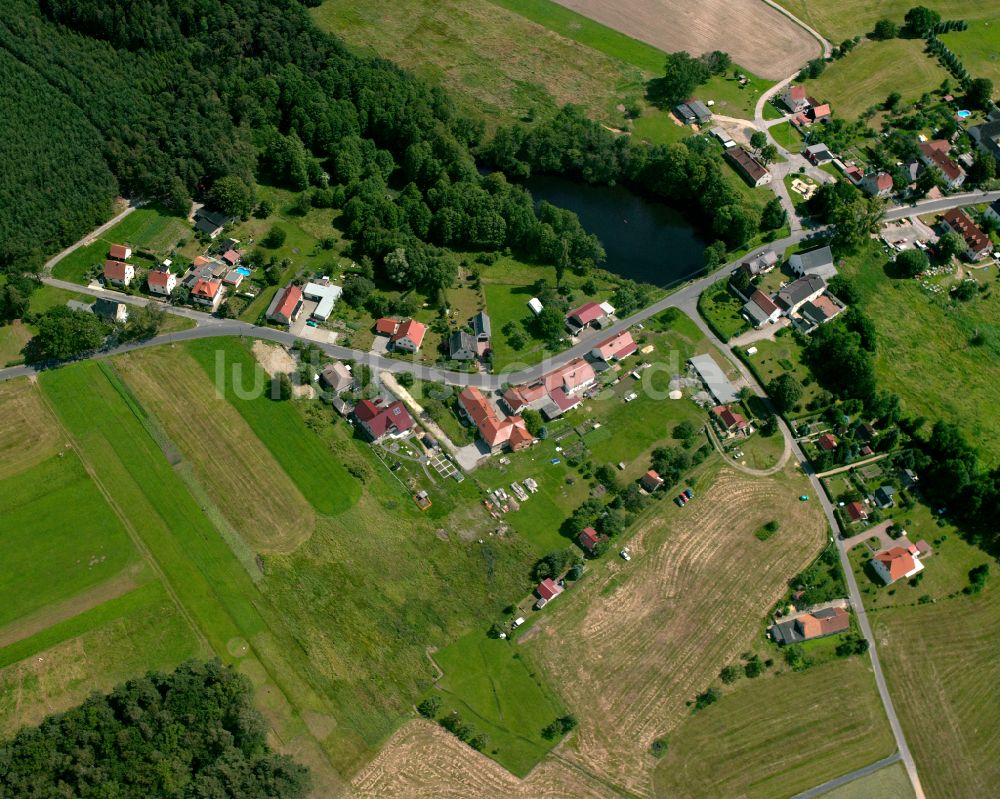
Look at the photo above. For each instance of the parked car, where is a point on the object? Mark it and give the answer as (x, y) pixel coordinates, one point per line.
(630, 397)
(679, 501)
(689, 493)
(625, 554)
(683, 499)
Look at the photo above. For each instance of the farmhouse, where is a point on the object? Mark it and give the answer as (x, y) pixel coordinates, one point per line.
(498, 433)
(337, 377)
(815, 624)
(935, 155)
(856, 512)
(286, 305)
(325, 294)
(977, 244)
(118, 272)
(589, 539)
(732, 423)
(693, 112)
(877, 184)
(760, 309)
(383, 421)
(818, 154)
(760, 264)
(895, 563)
(797, 293)
(462, 346)
(547, 590)
(210, 223)
(752, 170)
(817, 312)
(651, 481)
(408, 336)
(615, 348)
(715, 381)
(111, 310)
(120, 252)
(161, 281)
(587, 315)
(795, 99)
(813, 262)
(208, 292)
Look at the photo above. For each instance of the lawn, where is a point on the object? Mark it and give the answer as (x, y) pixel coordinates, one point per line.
(890, 782)
(659, 127)
(46, 297)
(722, 309)
(13, 337)
(979, 47)
(925, 352)
(947, 652)
(307, 459)
(466, 47)
(777, 357)
(494, 687)
(869, 73)
(787, 136)
(60, 537)
(778, 735)
(148, 230)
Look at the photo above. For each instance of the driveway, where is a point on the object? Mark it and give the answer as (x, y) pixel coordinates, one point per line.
(766, 333)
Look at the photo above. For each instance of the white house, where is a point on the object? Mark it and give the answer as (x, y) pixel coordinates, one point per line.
(896, 564)
(161, 282)
(813, 262)
(118, 272)
(326, 293)
(795, 99)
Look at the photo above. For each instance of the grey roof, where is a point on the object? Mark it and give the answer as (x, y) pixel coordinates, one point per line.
(699, 109)
(814, 313)
(798, 290)
(337, 376)
(107, 309)
(461, 345)
(684, 110)
(712, 376)
(815, 259)
(788, 632)
(884, 495)
(755, 312)
(216, 218)
(988, 136)
(481, 324)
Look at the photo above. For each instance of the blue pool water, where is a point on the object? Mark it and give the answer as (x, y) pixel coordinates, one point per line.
(964, 114)
(243, 271)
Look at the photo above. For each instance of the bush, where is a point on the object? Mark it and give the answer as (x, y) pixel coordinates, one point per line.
(275, 238)
(730, 674)
(977, 579)
(659, 747)
(430, 707)
(709, 697)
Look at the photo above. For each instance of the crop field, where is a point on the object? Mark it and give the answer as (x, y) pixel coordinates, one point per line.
(926, 354)
(872, 71)
(13, 337)
(466, 46)
(146, 229)
(635, 641)
(228, 460)
(28, 433)
(422, 761)
(494, 687)
(941, 665)
(779, 735)
(769, 44)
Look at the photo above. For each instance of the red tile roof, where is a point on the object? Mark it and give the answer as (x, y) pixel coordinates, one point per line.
(827, 442)
(820, 111)
(586, 313)
(856, 511)
(617, 347)
(572, 376)
(115, 270)
(383, 419)
(386, 326)
(518, 397)
(814, 627)
(729, 417)
(291, 298)
(411, 330)
(590, 538)
(936, 152)
(118, 251)
(157, 278)
(762, 301)
(959, 221)
(494, 430)
(651, 480)
(206, 288)
(797, 92)
(548, 588)
(897, 561)
(231, 257)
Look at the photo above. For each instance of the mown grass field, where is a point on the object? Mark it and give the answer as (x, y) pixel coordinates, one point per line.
(776, 357)
(13, 337)
(890, 782)
(872, 71)
(925, 350)
(28, 433)
(941, 666)
(779, 735)
(979, 47)
(494, 687)
(722, 309)
(787, 136)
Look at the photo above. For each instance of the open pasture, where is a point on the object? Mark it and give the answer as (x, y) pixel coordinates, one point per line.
(634, 642)
(28, 433)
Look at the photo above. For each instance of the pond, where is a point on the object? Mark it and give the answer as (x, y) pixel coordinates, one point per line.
(645, 241)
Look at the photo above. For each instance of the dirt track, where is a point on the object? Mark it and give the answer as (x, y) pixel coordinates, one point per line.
(757, 36)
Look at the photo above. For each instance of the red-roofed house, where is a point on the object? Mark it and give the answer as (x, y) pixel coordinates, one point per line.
(285, 306)
(935, 154)
(590, 538)
(819, 112)
(386, 326)
(383, 421)
(208, 292)
(547, 590)
(120, 252)
(517, 398)
(408, 336)
(118, 272)
(795, 99)
(977, 243)
(856, 512)
(651, 481)
(615, 348)
(761, 309)
(735, 424)
(895, 564)
(877, 184)
(161, 281)
(232, 257)
(574, 377)
(826, 442)
(587, 315)
(510, 432)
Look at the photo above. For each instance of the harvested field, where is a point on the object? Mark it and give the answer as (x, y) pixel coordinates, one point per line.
(422, 761)
(240, 475)
(948, 650)
(629, 653)
(275, 359)
(28, 433)
(769, 43)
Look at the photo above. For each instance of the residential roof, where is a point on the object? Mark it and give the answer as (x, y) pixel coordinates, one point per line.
(231, 257)
(856, 511)
(818, 623)
(936, 152)
(590, 538)
(518, 397)
(207, 288)
(157, 277)
(880, 182)
(750, 166)
(233, 277)
(651, 480)
(796, 92)
(574, 375)
(820, 111)
(386, 326)
(481, 325)
(116, 270)
(214, 219)
(107, 309)
(494, 430)
(287, 303)
(337, 376)
(960, 222)
(799, 290)
(459, 341)
(762, 301)
(326, 292)
(382, 419)
(812, 260)
(119, 251)
(411, 330)
(897, 561)
(548, 588)
(820, 310)
(884, 495)
(586, 313)
(712, 376)
(827, 442)
(729, 417)
(617, 347)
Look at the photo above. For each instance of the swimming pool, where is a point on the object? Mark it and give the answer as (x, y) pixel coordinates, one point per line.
(243, 271)
(964, 114)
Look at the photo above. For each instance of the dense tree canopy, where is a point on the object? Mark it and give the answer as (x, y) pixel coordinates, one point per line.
(192, 733)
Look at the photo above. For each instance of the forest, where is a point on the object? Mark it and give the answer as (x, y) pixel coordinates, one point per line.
(171, 100)
(191, 733)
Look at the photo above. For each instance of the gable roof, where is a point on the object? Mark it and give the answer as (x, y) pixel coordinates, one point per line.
(798, 290)
(494, 430)
(411, 330)
(119, 251)
(796, 93)
(386, 326)
(460, 340)
(158, 277)
(382, 419)
(207, 288)
(576, 374)
(107, 309)
(548, 588)
(856, 511)
(337, 376)
(811, 260)
(586, 313)
(729, 417)
(974, 237)
(590, 538)
(651, 480)
(481, 325)
(617, 347)
(827, 442)
(762, 301)
(116, 270)
(820, 111)
(897, 561)
(742, 158)
(231, 257)
(518, 397)
(289, 300)
(936, 152)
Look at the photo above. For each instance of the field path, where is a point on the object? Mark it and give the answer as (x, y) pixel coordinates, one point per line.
(90, 237)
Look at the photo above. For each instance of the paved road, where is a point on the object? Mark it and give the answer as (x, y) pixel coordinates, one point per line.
(854, 775)
(944, 204)
(47, 266)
